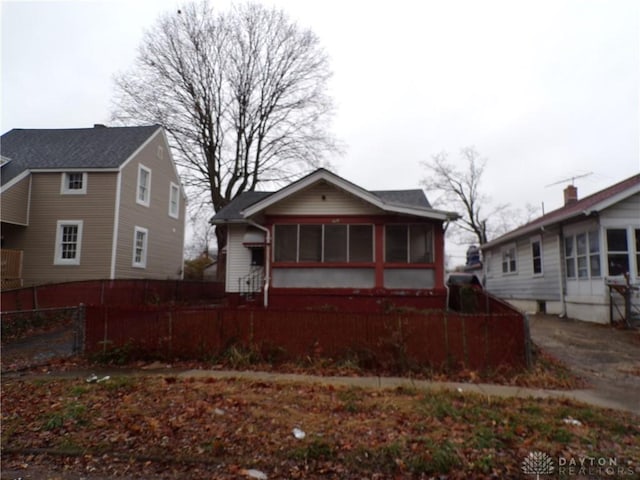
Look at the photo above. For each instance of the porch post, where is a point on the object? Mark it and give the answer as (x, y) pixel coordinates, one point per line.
(379, 255)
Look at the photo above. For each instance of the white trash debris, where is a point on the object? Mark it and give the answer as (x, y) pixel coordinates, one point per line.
(299, 434)
(218, 411)
(93, 378)
(572, 421)
(254, 474)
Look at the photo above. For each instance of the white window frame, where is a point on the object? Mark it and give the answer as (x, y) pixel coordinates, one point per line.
(64, 184)
(174, 188)
(537, 240)
(143, 260)
(147, 200)
(60, 225)
(505, 254)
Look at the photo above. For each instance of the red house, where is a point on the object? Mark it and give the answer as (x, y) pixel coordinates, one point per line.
(324, 242)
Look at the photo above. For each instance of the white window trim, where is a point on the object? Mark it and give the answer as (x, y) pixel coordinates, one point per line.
(533, 240)
(174, 187)
(506, 248)
(143, 263)
(64, 184)
(57, 259)
(146, 202)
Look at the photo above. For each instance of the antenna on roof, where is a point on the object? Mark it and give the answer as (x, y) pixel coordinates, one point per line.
(573, 179)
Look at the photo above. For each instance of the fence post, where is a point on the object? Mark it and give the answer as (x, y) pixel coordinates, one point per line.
(527, 341)
(35, 297)
(105, 319)
(79, 329)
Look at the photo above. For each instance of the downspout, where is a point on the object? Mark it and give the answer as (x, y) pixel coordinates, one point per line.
(444, 254)
(267, 255)
(563, 273)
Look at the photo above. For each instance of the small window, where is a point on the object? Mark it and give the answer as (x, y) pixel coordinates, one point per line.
(581, 255)
(74, 183)
(144, 186)
(637, 235)
(536, 256)
(68, 242)
(569, 256)
(594, 253)
(140, 239)
(617, 251)
(174, 200)
(509, 259)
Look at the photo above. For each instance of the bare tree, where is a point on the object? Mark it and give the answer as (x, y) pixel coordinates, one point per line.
(459, 186)
(242, 95)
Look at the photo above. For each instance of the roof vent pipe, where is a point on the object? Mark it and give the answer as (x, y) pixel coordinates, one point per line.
(99, 125)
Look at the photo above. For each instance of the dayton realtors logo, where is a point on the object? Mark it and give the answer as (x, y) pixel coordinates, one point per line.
(537, 463)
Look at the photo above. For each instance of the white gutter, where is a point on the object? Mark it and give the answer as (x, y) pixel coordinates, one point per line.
(267, 258)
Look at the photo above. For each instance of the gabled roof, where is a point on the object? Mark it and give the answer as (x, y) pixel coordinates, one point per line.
(78, 148)
(592, 204)
(408, 202)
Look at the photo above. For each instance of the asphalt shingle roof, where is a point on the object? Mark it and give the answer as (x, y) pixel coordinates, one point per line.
(232, 212)
(98, 147)
(571, 210)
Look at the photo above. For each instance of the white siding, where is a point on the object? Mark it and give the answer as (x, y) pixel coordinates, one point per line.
(238, 258)
(322, 199)
(523, 284)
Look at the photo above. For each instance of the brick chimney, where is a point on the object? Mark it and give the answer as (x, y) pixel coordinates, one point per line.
(570, 195)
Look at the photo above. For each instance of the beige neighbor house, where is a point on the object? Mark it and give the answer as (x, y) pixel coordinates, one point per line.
(565, 262)
(92, 203)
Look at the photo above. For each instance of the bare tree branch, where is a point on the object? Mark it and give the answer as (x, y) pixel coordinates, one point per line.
(459, 188)
(242, 95)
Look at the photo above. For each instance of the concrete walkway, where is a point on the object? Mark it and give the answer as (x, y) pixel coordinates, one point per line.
(490, 390)
(591, 397)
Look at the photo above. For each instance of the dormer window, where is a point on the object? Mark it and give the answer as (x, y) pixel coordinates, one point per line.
(74, 183)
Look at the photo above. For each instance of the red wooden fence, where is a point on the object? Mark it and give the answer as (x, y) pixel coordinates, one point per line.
(111, 292)
(437, 339)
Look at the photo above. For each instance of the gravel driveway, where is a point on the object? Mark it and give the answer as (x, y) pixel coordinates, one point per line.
(607, 357)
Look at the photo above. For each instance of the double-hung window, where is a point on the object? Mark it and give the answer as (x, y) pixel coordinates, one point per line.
(536, 256)
(617, 251)
(509, 263)
(140, 240)
(68, 242)
(143, 193)
(637, 237)
(174, 200)
(74, 183)
(582, 255)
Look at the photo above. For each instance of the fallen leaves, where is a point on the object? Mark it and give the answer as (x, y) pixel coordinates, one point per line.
(158, 427)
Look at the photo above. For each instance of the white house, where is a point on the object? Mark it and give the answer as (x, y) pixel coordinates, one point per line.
(562, 262)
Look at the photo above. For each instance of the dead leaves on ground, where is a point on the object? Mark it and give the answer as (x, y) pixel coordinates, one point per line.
(164, 427)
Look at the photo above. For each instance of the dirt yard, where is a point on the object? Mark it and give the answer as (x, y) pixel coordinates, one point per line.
(607, 357)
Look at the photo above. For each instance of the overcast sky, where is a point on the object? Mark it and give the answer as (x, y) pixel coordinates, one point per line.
(546, 90)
